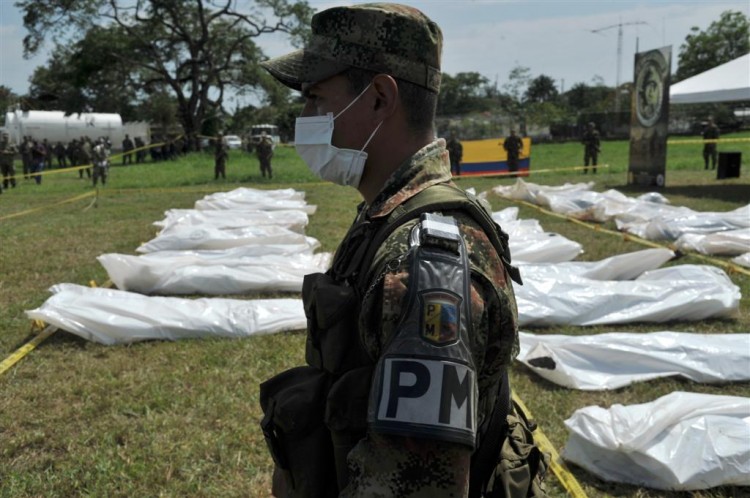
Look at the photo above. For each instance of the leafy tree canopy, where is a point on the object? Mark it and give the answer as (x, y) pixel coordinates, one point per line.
(723, 41)
(195, 50)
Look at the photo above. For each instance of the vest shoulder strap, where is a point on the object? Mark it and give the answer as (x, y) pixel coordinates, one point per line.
(442, 197)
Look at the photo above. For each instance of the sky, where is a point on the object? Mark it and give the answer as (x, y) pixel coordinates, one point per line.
(551, 37)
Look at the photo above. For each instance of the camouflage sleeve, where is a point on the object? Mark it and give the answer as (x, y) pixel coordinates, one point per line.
(382, 465)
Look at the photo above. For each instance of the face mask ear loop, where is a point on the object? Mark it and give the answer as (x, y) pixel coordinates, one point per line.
(353, 101)
(372, 135)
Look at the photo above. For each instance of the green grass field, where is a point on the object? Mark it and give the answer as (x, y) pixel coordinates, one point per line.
(180, 419)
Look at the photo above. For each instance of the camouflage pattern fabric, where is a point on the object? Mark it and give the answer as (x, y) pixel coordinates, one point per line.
(382, 37)
(408, 467)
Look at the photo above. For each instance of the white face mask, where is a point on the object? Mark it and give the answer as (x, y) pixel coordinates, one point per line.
(312, 140)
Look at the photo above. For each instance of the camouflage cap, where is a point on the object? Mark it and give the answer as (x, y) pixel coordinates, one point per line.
(383, 37)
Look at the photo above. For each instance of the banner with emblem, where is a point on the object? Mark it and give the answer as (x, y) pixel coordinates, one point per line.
(649, 117)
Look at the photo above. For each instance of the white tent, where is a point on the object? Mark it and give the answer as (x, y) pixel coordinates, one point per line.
(726, 83)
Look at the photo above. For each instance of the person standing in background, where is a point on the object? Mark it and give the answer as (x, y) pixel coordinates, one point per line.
(591, 148)
(513, 147)
(710, 134)
(220, 157)
(264, 150)
(455, 153)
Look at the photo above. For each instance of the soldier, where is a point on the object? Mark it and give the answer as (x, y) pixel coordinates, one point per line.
(7, 153)
(140, 155)
(127, 146)
(591, 148)
(84, 156)
(38, 158)
(100, 157)
(513, 147)
(26, 156)
(710, 132)
(455, 153)
(220, 157)
(264, 150)
(60, 154)
(71, 151)
(412, 331)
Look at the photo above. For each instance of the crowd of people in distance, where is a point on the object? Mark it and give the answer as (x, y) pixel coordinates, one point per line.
(39, 155)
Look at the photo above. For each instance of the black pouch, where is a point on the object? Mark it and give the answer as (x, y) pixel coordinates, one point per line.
(332, 311)
(346, 415)
(522, 466)
(293, 404)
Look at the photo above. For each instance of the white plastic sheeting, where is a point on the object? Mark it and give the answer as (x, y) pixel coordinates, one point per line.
(684, 292)
(618, 359)
(110, 316)
(249, 199)
(295, 220)
(211, 272)
(672, 224)
(681, 441)
(729, 243)
(530, 243)
(648, 216)
(210, 237)
(742, 260)
(620, 267)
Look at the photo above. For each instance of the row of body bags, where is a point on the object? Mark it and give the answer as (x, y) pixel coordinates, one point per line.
(648, 216)
(236, 242)
(113, 316)
(621, 289)
(683, 441)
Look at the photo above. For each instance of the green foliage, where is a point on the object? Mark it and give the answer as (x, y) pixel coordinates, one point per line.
(194, 50)
(723, 41)
(541, 89)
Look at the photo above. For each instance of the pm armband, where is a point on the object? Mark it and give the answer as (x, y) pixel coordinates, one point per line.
(427, 397)
(425, 383)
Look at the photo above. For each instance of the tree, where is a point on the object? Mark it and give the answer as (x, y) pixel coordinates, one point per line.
(7, 99)
(462, 93)
(723, 41)
(542, 89)
(514, 102)
(194, 49)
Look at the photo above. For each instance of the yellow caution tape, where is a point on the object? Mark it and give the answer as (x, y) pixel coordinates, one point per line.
(566, 478)
(33, 210)
(707, 141)
(530, 171)
(11, 360)
(731, 267)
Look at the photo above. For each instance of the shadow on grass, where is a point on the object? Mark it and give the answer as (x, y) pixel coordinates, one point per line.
(60, 337)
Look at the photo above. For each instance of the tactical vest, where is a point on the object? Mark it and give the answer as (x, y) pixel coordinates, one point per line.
(315, 415)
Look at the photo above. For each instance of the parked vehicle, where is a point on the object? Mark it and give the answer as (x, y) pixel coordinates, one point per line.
(233, 141)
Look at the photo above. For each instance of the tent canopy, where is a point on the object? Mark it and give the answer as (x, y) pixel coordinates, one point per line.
(726, 83)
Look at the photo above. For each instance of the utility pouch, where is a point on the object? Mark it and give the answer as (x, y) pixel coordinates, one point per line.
(293, 404)
(520, 471)
(346, 415)
(332, 311)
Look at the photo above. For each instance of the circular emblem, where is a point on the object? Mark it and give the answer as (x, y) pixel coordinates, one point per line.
(660, 180)
(649, 89)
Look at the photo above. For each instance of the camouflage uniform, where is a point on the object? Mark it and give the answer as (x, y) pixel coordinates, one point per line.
(513, 146)
(391, 466)
(590, 142)
(400, 41)
(220, 158)
(264, 149)
(709, 149)
(7, 153)
(456, 154)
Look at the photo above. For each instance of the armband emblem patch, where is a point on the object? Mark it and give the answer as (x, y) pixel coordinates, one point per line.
(440, 317)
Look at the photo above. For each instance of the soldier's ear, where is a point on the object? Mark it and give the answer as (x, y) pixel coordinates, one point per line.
(386, 96)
